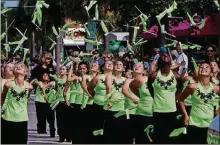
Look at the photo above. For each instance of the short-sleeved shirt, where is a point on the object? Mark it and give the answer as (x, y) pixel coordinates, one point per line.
(180, 58)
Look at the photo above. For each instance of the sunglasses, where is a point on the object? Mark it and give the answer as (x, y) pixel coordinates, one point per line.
(48, 58)
(16, 58)
(209, 50)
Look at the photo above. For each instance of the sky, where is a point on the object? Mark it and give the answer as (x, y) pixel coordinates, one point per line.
(11, 3)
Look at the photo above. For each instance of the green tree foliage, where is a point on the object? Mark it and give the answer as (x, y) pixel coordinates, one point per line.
(74, 9)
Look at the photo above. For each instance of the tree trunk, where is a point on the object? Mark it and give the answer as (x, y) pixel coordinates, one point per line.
(33, 49)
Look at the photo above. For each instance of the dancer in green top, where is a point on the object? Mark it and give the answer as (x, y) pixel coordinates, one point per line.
(97, 89)
(187, 80)
(45, 95)
(87, 105)
(15, 116)
(71, 87)
(112, 128)
(88, 99)
(77, 114)
(131, 101)
(70, 93)
(60, 81)
(164, 86)
(203, 99)
(8, 75)
(144, 111)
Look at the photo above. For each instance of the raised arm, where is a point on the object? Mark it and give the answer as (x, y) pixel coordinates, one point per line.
(70, 77)
(189, 90)
(150, 81)
(30, 88)
(179, 85)
(91, 85)
(4, 92)
(84, 86)
(67, 85)
(108, 83)
(126, 93)
(134, 85)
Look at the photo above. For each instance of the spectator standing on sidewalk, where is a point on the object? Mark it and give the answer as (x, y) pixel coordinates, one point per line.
(182, 58)
(43, 66)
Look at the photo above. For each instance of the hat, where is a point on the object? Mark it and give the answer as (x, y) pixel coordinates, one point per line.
(163, 50)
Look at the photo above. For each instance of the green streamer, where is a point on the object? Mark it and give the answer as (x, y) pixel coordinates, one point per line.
(3, 11)
(166, 11)
(135, 34)
(92, 2)
(179, 117)
(65, 61)
(63, 29)
(191, 19)
(3, 36)
(87, 30)
(98, 132)
(195, 65)
(19, 44)
(104, 28)
(54, 77)
(34, 80)
(96, 12)
(52, 45)
(144, 23)
(142, 42)
(54, 104)
(130, 48)
(7, 47)
(147, 130)
(177, 132)
(85, 102)
(44, 4)
(216, 4)
(39, 15)
(202, 24)
(54, 31)
(91, 41)
(25, 54)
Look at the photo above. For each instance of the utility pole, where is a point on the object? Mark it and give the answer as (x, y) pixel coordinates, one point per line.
(6, 36)
(58, 53)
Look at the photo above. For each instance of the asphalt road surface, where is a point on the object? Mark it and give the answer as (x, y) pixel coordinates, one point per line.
(33, 136)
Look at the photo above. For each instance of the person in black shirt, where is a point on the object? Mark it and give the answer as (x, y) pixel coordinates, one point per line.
(210, 54)
(128, 62)
(43, 67)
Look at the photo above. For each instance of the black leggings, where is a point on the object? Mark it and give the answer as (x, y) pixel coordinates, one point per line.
(87, 126)
(164, 124)
(196, 135)
(62, 122)
(14, 132)
(78, 124)
(44, 113)
(96, 121)
(113, 128)
(126, 131)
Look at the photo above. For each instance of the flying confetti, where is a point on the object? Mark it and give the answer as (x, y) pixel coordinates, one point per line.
(167, 11)
(25, 54)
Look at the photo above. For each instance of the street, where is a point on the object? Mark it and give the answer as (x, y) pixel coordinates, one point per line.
(33, 136)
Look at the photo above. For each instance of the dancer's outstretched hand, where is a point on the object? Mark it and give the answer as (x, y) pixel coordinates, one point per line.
(186, 120)
(67, 103)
